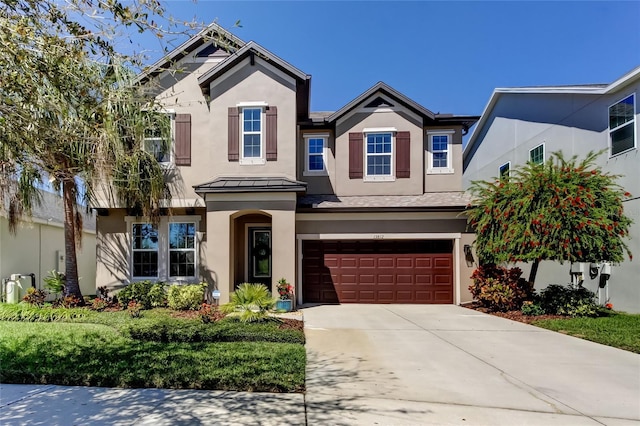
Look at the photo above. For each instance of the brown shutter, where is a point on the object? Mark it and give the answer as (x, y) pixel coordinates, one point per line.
(355, 155)
(234, 135)
(183, 139)
(403, 154)
(271, 131)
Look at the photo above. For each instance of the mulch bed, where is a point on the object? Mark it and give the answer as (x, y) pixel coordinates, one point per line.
(291, 324)
(513, 315)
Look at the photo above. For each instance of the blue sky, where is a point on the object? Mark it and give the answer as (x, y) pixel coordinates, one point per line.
(448, 56)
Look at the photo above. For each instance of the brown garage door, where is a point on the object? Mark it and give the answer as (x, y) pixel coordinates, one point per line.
(398, 271)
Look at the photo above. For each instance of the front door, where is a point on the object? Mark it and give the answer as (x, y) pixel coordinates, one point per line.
(259, 265)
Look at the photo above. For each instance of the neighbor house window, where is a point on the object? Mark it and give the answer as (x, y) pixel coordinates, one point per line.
(252, 134)
(315, 158)
(622, 125)
(158, 136)
(505, 170)
(182, 249)
(440, 160)
(536, 155)
(144, 250)
(379, 153)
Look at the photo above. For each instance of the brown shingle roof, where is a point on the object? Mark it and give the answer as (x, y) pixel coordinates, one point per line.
(438, 200)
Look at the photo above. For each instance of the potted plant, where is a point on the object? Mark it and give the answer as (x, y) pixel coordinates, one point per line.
(285, 291)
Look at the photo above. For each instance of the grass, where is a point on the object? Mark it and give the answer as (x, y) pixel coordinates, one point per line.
(619, 330)
(100, 349)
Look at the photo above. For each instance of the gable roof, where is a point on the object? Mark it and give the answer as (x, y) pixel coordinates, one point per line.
(213, 32)
(390, 92)
(582, 89)
(430, 117)
(249, 50)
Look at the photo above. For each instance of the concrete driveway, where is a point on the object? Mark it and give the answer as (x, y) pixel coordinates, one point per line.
(441, 365)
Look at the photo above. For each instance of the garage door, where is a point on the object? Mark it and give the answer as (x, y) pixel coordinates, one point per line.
(398, 271)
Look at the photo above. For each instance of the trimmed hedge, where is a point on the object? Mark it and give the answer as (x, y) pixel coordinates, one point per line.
(228, 330)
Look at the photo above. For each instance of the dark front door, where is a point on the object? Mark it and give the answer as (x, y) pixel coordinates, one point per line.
(259, 259)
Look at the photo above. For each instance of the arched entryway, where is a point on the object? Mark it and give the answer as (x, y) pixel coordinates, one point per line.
(252, 259)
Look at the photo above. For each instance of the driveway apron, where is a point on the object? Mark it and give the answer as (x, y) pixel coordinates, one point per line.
(443, 364)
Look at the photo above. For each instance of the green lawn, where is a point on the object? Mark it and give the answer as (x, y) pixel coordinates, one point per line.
(111, 349)
(618, 329)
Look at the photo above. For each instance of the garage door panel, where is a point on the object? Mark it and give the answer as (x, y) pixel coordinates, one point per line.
(377, 271)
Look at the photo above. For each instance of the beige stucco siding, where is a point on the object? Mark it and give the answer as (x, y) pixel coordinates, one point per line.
(436, 182)
(35, 248)
(357, 122)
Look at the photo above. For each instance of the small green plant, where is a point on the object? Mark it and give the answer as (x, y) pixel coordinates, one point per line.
(285, 290)
(147, 293)
(251, 302)
(55, 282)
(134, 308)
(500, 289)
(210, 313)
(186, 297)
(531, 308)
(35, 296)
(573, 301)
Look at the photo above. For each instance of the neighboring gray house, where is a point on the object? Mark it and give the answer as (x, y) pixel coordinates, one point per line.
(528, 123)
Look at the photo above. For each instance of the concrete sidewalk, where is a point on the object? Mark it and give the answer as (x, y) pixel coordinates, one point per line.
(446, 365)
(66, 405)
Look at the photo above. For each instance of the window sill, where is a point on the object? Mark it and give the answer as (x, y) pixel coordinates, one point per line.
(626, 151)
(315, 173)
(379, 179)
(252, 162)
(440, 171)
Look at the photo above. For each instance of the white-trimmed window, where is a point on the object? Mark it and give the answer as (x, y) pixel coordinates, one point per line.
(144, 257)
(379, 155)
(167, 251)
(182, 249)
(440, 160)
(536, 155)
(315, 162)
(622, 125)
(159, 135)
(252, 133)
(505, 170)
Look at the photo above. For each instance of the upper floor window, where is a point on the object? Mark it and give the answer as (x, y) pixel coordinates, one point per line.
(622, 125)
(505, 170)
(158, 136)
(315, 154)
(379, 153)
(536, 155)
(252, 133)
(144, 259)
(440, 160)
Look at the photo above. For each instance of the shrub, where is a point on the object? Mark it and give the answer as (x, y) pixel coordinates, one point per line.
(35, 296)
(55, 282)
(227, 330)
(69, 302)
(500, 289)
(186, 297)
(134, 309)
(251, 301)
(568, 300)
(146, 293)
(530, 308)
(210, 313)
(99, 304)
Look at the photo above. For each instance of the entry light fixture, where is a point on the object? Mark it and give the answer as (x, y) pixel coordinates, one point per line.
(468, 256)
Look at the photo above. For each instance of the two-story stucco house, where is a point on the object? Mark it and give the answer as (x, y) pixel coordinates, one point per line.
(529, 123)
(358, 205)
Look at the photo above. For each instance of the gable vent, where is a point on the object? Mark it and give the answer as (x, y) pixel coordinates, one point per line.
(378, 103)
